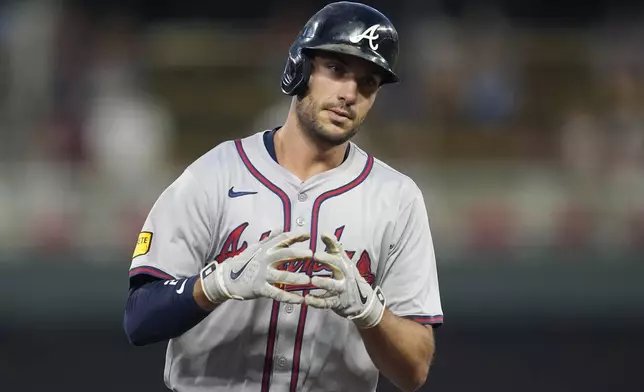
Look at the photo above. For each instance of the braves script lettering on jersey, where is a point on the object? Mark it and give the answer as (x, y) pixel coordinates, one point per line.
(234, 196)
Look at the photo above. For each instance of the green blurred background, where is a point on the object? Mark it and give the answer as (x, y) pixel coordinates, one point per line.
(521, 121)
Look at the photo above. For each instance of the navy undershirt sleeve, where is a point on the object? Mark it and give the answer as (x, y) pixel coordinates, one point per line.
(157, 310)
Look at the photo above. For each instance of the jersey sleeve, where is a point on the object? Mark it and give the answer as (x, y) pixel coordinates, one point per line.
(176, 237)
(410, 281)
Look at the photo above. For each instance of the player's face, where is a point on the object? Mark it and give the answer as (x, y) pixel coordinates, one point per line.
(342, 89)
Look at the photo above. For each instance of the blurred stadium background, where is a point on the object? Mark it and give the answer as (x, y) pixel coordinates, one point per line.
(522, 121)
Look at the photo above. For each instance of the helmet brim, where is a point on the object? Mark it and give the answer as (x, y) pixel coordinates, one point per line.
(388, 75)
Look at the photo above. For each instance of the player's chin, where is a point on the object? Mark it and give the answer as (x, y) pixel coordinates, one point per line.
(338, 132)
(335, 135)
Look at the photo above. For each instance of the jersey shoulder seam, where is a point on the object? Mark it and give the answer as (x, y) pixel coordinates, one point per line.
(390, 169)
(381, 164)
(407, 182)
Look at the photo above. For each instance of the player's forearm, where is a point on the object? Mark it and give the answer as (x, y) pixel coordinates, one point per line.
(158, 311)
(401, 349)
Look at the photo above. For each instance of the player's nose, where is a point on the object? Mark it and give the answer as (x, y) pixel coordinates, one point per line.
(349, 91)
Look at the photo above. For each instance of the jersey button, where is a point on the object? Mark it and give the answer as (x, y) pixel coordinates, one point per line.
(281, 362)
(300, 221)
(289, 308)
(302, 197)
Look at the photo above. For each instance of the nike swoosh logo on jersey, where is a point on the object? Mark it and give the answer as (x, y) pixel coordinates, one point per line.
(183, 286)
(235, 274)
(362, 297)
(232, 193)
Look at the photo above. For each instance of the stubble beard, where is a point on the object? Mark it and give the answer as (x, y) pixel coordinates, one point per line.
(306, 111)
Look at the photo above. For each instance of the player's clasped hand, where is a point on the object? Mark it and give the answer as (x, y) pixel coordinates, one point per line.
(347, 292)
(254, 274)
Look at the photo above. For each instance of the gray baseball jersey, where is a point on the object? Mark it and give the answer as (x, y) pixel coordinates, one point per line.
(236, 195)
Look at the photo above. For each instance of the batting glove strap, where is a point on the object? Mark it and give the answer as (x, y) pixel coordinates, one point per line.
(212, 283)
(371, 316)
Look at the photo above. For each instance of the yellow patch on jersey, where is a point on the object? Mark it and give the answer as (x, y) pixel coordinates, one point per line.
(143, 244)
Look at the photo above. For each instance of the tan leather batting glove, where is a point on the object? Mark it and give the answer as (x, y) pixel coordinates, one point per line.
(347, 292)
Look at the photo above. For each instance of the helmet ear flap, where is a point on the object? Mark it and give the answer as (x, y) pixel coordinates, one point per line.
(296, 74)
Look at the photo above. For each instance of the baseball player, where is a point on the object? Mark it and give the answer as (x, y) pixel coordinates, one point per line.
(291, 259)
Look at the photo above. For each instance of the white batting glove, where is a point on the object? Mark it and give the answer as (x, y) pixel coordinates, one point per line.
(348, 293)
(253, 273)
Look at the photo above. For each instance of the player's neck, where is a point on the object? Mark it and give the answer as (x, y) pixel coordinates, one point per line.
(303, 156)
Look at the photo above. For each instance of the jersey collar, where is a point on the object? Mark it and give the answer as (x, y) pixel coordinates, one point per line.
(269, 142)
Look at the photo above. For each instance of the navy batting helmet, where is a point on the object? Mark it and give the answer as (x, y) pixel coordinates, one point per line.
(344, 27)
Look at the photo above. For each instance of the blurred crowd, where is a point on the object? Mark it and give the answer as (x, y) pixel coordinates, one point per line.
(524, 139)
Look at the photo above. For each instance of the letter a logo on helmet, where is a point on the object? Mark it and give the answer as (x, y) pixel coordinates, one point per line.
(342, 27)
(370, 34)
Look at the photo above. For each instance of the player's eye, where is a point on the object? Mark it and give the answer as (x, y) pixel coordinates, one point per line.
(368, 85)
(335, 68)
(370, 82)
